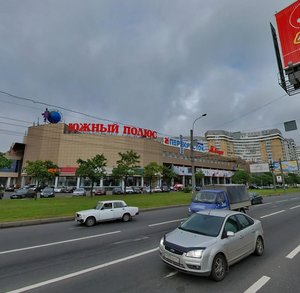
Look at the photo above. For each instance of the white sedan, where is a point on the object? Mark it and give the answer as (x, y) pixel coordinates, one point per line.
(107, 211)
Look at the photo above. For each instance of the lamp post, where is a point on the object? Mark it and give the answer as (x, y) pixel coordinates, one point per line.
(192, 152)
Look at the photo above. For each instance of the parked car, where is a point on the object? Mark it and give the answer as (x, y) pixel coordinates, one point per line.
(99, 191)
(137, 189)
(129, 190)
(58, 190)
(165, 188)
(47, 192)
(208, 242)
(69, 189)
(9, 188)
(117, 190)
(24, 193)
(79, 192)
(146, 189)
(255, 198)
(156, 189)
(178, 187)
(107, 211)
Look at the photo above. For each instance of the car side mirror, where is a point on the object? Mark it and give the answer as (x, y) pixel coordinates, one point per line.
(230, 234)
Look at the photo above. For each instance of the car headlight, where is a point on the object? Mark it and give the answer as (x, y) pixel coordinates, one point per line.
(161, 243)
(195, 253)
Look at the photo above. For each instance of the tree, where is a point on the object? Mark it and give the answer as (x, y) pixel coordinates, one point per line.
(240, 177)
(93, 168)
(151, 171)
(4, 162)
(42, 171)
(126, 166)
(199, 175)
(168, 174)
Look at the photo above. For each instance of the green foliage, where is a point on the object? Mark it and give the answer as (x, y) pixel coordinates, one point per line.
(240, 177)
(187, 189)
(43, 171)
(168, 174)
(126, 166)
(4, 162)
(151, 171)
(93, 168)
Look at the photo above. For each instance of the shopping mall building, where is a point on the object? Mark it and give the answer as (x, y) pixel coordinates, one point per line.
(64, 144)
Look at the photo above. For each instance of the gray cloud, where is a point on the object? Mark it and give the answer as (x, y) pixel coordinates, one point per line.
(154, 64)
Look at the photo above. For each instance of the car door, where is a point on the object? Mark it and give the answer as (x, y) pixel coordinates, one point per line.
(248, 229)
(119, 209)
(107, 212)
(234, 244)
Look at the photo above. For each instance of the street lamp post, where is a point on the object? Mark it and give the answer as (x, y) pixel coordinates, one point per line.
(192, 153)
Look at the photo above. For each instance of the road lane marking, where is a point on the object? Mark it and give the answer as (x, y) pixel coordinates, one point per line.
(292, 254)
(131, 240)
(257, 285)
(269, 215)
(167, 222)
(295, 207)
(59, 242)
(171, 274)
(282, 200)
(85, 271)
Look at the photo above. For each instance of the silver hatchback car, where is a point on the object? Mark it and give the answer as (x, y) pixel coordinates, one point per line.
(208, 242)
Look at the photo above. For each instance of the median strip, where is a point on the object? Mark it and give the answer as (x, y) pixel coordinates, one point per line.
(56, 243)
(88, 270)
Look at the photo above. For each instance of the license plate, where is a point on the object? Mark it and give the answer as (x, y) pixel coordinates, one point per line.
(172, 258)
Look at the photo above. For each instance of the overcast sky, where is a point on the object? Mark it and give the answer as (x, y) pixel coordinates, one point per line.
(155, 64)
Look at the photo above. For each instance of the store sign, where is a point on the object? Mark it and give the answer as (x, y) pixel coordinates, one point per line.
(199, 146)
(217, 173)
(214, 150)
(111, 129)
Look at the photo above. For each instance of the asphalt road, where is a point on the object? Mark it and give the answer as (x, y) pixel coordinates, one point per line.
(123, 257)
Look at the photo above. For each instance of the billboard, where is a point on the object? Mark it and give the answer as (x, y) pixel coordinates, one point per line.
(287, 166)
(289, 33)
(259, 168)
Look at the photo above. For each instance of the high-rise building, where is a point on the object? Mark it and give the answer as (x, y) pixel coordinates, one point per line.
(259, 147)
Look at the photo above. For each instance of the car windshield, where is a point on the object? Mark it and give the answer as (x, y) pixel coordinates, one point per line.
(203, 224)
(48, 189)
(21, 191)
(99, 205)
(205, 197)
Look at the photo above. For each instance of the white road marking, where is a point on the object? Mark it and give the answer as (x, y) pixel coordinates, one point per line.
(295, 207)
(131, 240)
(282, 200)
(88, 270)
(269, 215)
(257, 285)
(292, 254)
(56, 243)
(171, 274)
(167, 222)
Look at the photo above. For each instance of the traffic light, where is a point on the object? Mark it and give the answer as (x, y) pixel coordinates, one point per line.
(271, 166)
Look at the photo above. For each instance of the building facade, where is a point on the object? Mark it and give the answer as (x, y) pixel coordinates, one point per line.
(255, 147)
(55, 142)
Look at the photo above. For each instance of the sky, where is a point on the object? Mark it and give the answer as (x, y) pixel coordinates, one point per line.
(154, 64)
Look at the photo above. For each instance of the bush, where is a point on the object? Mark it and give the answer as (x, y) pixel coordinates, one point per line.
(187, 189)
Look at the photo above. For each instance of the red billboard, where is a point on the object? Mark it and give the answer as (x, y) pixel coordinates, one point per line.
(288, 25)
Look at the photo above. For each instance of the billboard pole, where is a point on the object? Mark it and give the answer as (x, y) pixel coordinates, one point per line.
(282, 176)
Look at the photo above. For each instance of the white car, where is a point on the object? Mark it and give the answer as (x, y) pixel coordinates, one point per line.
(107, 210)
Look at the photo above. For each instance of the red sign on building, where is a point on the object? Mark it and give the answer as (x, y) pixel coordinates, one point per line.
(288, 25)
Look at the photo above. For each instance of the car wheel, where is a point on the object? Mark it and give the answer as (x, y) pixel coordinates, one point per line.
(90, 221)
(259, 246)
(219, 268)
(126, 217)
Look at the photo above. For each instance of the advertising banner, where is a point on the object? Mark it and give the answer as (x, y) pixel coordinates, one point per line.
(287, 166)
(180, 143)
(289, 33)
(259, 168)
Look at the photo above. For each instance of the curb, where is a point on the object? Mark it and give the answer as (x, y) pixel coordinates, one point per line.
(66, 219)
